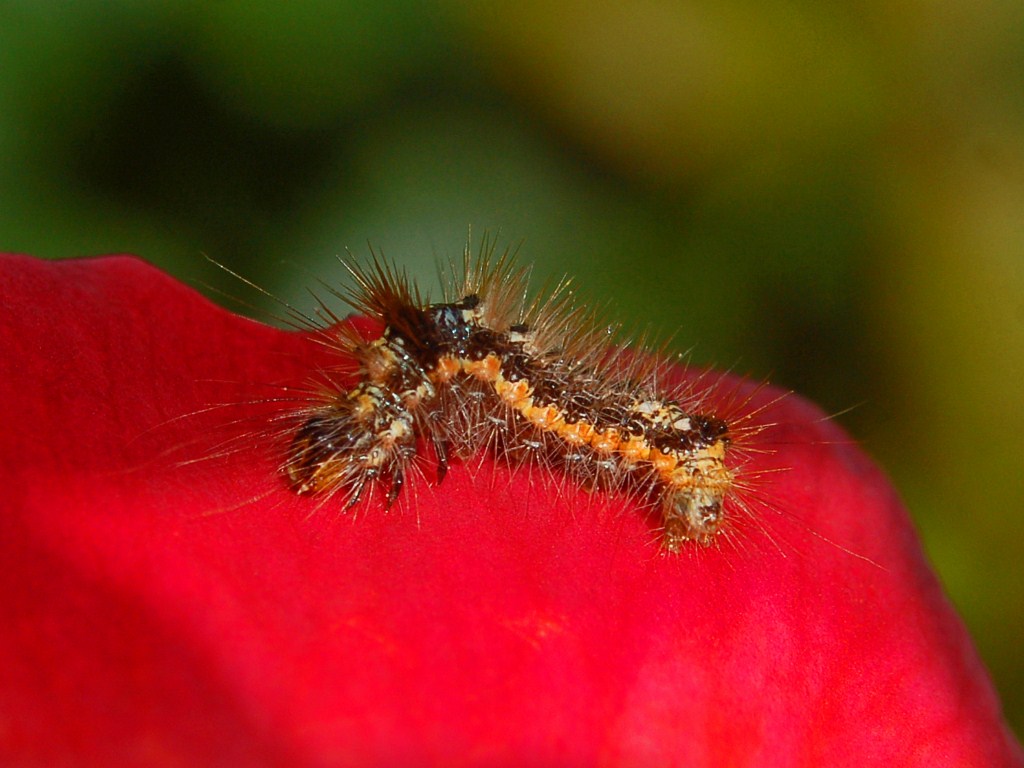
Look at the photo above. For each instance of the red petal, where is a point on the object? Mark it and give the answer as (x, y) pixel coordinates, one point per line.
(155, 612)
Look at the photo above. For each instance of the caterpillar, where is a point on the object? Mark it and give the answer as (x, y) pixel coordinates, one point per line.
(529, 381)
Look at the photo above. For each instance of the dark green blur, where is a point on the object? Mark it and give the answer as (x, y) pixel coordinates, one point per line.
(827, 195)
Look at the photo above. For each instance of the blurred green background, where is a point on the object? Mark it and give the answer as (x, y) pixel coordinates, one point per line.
(829, 195)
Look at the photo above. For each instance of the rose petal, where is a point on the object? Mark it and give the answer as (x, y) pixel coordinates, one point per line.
(166, 600)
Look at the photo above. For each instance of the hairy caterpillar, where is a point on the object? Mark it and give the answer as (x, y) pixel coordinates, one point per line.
(529, 381)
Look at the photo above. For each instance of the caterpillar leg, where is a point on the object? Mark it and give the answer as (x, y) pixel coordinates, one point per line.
(346, 445)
